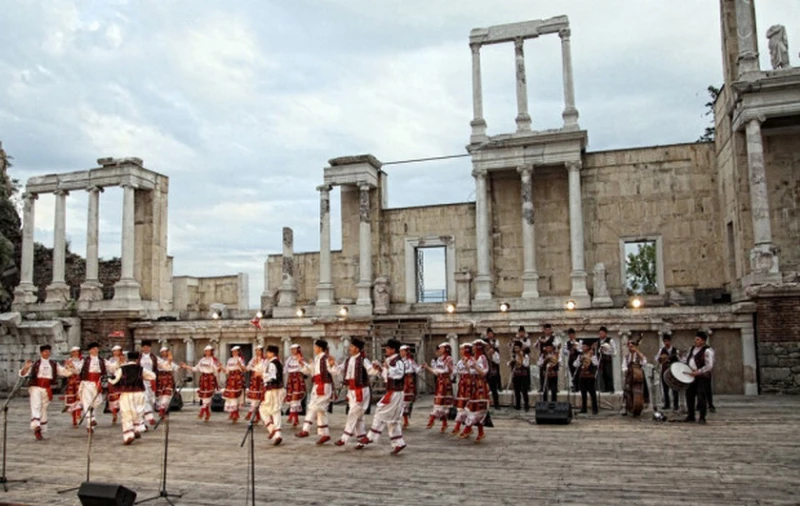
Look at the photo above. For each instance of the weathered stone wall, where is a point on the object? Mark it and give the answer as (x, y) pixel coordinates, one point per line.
(669, 191)
(197, 294)
(778, 329)
(782, 160)
(99, 329)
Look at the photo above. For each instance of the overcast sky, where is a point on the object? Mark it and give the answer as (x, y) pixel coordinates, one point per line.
(242, 103)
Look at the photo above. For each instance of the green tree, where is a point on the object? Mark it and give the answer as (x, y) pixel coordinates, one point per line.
(641, 269)
(709, 134)
(10, 233)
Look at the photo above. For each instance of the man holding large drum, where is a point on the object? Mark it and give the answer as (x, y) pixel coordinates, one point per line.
(700, 360)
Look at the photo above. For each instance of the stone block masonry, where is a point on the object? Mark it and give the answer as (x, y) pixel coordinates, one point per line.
(778, 330)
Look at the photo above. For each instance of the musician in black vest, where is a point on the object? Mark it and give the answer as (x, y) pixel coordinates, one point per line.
(272, 371)
(572, 350)
(493, 376)
(355, 370)
(547, 339)
(667, 356)
(606, 352)
(43, 377)
(130, 380)
(701, 360)
(520, 365)
(586, 364)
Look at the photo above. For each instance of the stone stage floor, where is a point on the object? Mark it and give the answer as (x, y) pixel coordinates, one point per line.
(748, 453)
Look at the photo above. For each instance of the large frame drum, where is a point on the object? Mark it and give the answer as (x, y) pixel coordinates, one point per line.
(677, 377)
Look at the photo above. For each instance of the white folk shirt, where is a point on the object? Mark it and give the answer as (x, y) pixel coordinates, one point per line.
(76, 363)
(112, 364)
(411, 366)
(709, 356)
(526, 361)
(577, 344)
(146, 375)
(579, 361)
(254, 365)
(45, 371)
(496, 357)
(268, 369)
(461, 367)
(442, 365)
(612, 343)
(206, 365)
(146, 363)
(668, 351)
(396, 371)
(165, 365)
(234, 364)
(350, 373)
(314, 368)
(293, 364)
(626, 362)
(94, 364)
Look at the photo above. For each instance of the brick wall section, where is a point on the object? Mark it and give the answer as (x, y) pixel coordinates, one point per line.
(778, 329)
(99, 329)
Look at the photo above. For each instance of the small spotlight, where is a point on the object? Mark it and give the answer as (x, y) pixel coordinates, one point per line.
(450, 307)
(300, 312)
(636, 303)
(260, 315)
(343, 311)
(571, 305)
(215, 315)
(505, 306)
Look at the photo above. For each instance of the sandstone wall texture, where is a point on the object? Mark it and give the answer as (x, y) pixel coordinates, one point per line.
(778, 328)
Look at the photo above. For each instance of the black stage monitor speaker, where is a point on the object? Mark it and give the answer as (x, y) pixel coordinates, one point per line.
(217, 403)
(105, 494)
(176, 404)
(553, 412)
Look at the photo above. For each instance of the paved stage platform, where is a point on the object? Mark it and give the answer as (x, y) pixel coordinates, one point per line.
(748, 454)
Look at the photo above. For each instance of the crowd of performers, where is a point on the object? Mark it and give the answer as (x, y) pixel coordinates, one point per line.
(139, 383)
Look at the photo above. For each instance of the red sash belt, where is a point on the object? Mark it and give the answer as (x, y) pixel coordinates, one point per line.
(44, 383)
(317, 379)
(94, 377)
(351, 384)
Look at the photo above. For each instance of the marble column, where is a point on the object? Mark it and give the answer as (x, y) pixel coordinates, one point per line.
(287, 292)
(25, 293)
(749, 362)
(764, 264)
(91, 289)
(576, 230)
(523, 118)
(58, 290)
(530, 278)
(570, 113)
(325, 286)
(483, 280)
(364, 284)
(287, 346)
(127, 288)
(478, 124)
(746, 34)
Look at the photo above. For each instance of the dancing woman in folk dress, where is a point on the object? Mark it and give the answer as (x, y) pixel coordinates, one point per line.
(72, 401)
(234, 385)
(255, 390)
(409, 382)
(112, 364)
(165, 380)
(465, 382)
(208, 367)
(478, 405)
(442, 367)
(295, 383)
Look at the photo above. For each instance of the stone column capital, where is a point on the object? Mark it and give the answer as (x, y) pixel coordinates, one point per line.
(475, 47)
(525, 171)
(565, 33)
(30, 196)
(479, 173)
(95, 189)
(60, 193)
(364, 186)
(128, 184)
(286, 339)
(574, 165)
(187, 340)
(324, 188)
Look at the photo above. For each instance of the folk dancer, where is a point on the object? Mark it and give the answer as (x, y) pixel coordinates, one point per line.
(295, 383)
(607, 350)
(701, 360)
(149, 362)
(478, 405)
(112, 395)
(234, 384)
(571, 352)
(442, 367)
(270, 411)
(493, 377)
(465, 384)
(255, 389)
(550, 364)
(72, 401)
(389, 410)
(43, 376)
(409, 382)
(208, 367)
(92, 371)
(355, 369)
(635, 358)
(667, 356)
(320, 395)
(165, 380)
(130, 380)
(546, 339)
(520, 365)
(586, 365)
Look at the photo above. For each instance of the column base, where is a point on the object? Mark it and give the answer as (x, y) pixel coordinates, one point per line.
(364, 293)
(57, 292)
(127, 290)
(523, 123)
(91, 291)
(483, 287)
(602, 301)
(763, 266)
(325, 294)
(478, 130)
(530, 285)
(287, 297)
(25, 293)
(570, 116)
(579, 284)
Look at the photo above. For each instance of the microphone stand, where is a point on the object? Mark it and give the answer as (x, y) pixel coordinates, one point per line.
(4, 479)
(162, 493)
(252, 457)
(90, 413)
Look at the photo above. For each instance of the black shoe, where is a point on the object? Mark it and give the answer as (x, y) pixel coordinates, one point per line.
(675, 409)
(665, 407)
(517, 408)
(583, 411)
(712, 409)
(594, 412)
(527, 408)
(702, 421)
(689, 419)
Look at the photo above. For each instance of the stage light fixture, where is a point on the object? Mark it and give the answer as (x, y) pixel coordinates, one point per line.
(300, 312)
(450, 307)
(504, 307)
(636, 303)
(260, 315)
(343, 311)
(571, 305)
(215, 315)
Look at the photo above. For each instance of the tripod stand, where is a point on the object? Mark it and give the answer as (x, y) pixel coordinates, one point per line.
(252, 457)
(4, 479)
(90, 413)
(162, 493)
